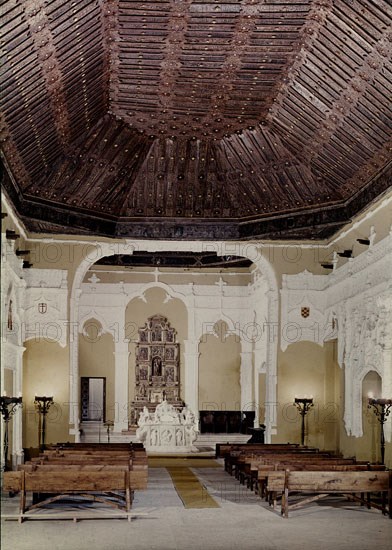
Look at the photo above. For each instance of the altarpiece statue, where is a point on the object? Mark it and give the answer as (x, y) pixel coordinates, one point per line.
(157, 367)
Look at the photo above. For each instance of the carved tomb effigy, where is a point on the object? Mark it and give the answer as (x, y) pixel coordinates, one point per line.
(167, 429)
(157, 376)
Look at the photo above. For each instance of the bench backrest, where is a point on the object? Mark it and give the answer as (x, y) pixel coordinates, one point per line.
(329, 482)
(66, 481)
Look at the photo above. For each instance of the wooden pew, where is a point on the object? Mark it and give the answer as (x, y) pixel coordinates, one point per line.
(263, 471)
(66, 482)
(237, 463)
(224, 449)
(249, 473)
(321, 484)
(235, 456)
(86, 469)
(79, 455)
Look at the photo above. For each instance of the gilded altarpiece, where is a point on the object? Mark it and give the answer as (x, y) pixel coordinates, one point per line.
(157, 367)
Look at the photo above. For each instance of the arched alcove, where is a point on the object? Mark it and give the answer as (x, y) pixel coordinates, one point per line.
(219, 370)
(306, 369)
(265, 300)
(154, 301)
(45, 372)
(96, 369)
(371, 387)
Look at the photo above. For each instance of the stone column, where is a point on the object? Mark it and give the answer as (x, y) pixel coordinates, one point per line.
(121, 355)
(247, 403)
(270, 407)
(385, 339)
(74, 409)
(191, 382)
(17, 453)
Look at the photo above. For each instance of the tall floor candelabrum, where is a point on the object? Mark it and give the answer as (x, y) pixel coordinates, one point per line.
(303, 404)
(381, 408)
(42, 405)
(8, 407)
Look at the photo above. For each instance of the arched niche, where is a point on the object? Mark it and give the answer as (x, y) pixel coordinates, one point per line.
(266, 301)
(96, 362)
(306, 369)
(45, 372)
(154, 300)
(219, 369)
(370, 441)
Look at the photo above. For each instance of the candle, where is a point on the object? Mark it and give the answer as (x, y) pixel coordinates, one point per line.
(4, 394)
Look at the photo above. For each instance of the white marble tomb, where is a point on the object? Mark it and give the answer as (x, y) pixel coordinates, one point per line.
(167, 429)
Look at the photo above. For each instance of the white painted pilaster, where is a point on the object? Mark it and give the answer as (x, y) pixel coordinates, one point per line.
(121, 356)
(247, 402)
(191, 383)
(17, 454)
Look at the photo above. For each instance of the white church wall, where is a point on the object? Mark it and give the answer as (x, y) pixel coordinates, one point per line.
(354, 305)
(13, 288)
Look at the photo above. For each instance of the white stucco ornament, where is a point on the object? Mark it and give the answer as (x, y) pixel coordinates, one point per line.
(167, 429)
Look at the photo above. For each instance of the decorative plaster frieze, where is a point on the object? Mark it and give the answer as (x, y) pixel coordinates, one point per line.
(9, 260)
(46, 278)
(262, 296)
(352, 304)
(46, 305)
(13, 288)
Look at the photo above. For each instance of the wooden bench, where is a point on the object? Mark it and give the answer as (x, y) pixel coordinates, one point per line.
(263, 471)
(97, 486)
(94, 472)
(224, 449)
(249, 472)
(268, 450)
(321, 484)
(237, 463)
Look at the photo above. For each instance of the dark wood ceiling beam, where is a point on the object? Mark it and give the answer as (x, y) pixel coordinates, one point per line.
(50, 67)
(175, 33)
(110, 41)
(310, 31)
(11, 156)
(198, 78)
(380, 162)
(348, 100)
(218, 67)
(240, 38)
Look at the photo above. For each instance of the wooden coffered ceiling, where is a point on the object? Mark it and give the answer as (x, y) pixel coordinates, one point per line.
(196, 119)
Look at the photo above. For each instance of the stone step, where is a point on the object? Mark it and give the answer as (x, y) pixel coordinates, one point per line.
(95, 432)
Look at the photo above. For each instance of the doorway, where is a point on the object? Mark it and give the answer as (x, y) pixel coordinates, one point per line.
(93, 397)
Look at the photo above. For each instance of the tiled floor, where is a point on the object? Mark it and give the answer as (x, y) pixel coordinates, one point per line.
(243, 522)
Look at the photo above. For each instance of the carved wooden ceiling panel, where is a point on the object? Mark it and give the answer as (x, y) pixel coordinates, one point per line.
(198, 119)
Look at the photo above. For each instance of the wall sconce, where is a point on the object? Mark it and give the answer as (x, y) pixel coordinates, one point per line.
(42, 404)
(303, 404)
(381, 408)
(8, 408)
